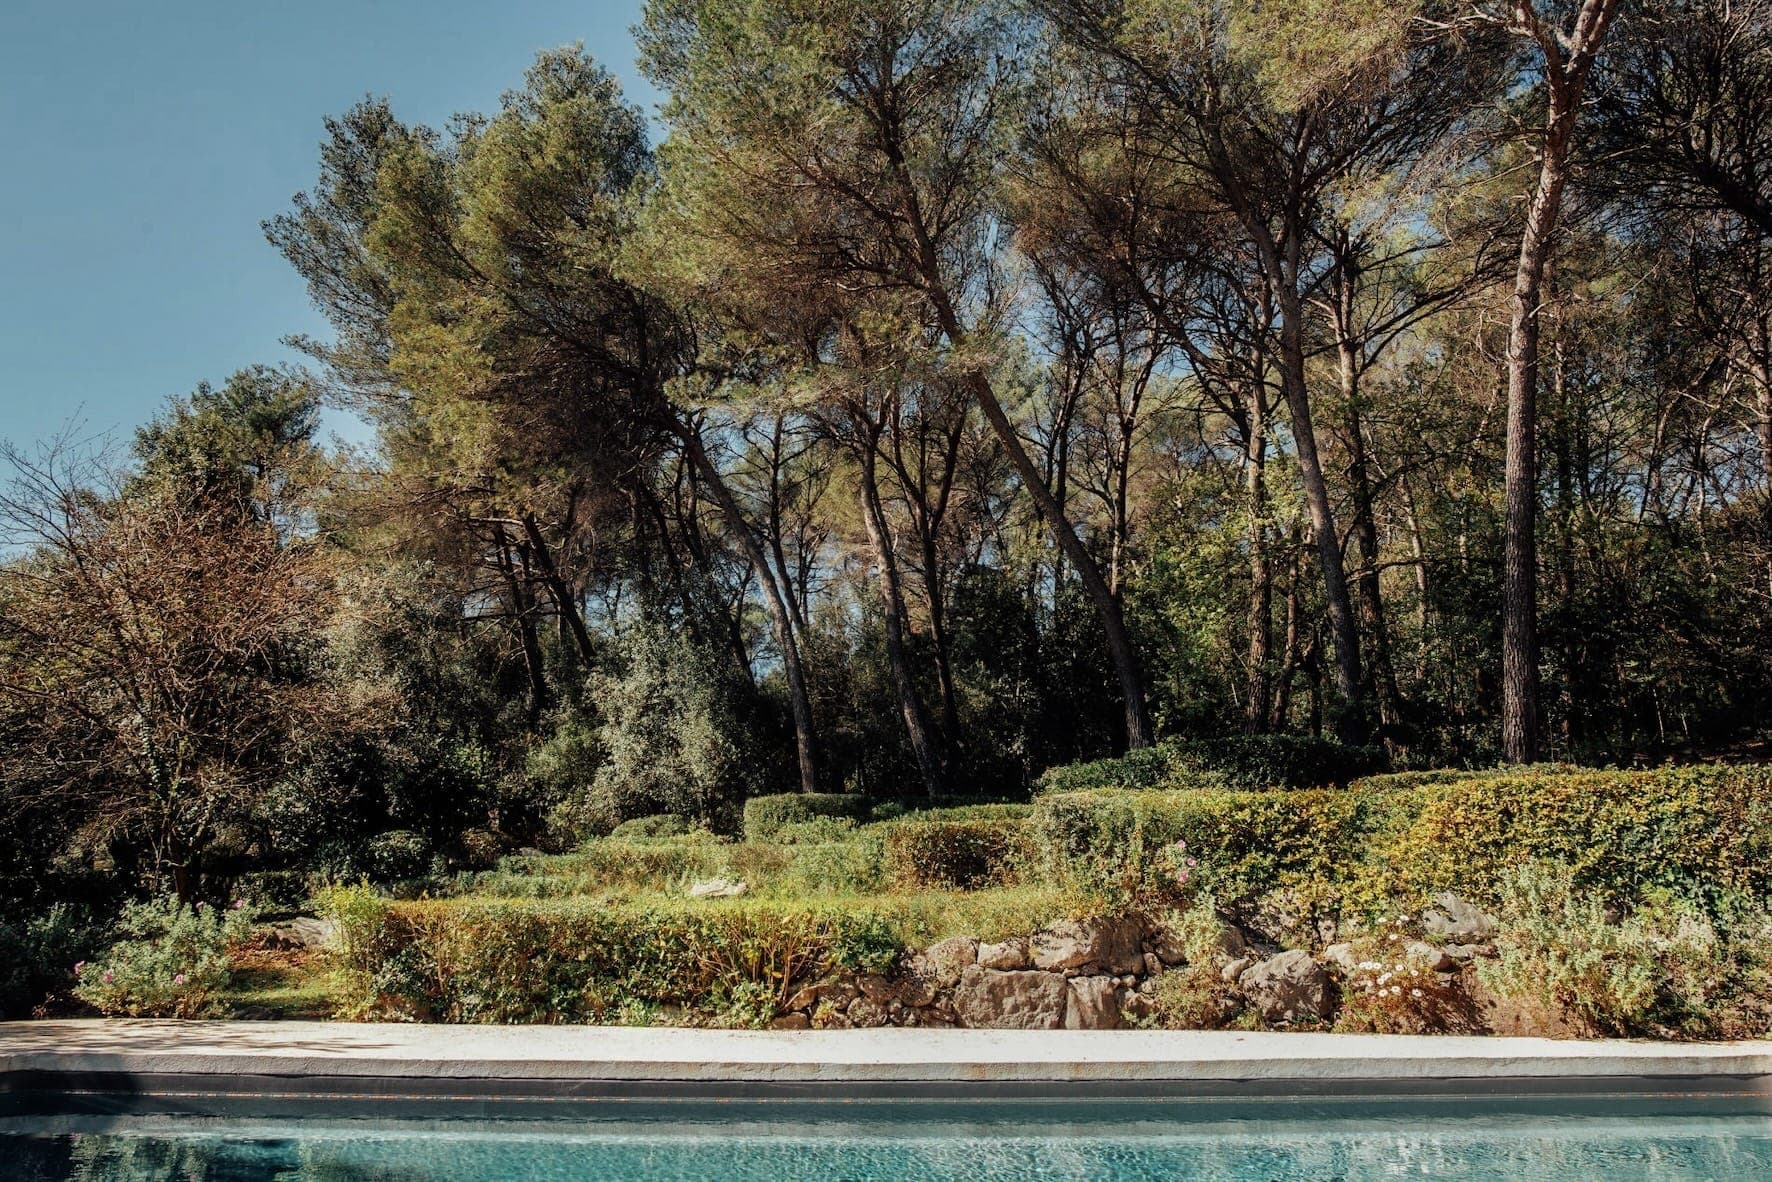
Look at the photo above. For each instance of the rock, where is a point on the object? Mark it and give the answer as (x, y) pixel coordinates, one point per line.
(876, 988)
(717, 888)
(866, 1012)
(1111, 944)
(928, 1019)
(1458, 921)
(1008, 956)
(791, 1022)
(1138, 1006)
(1436, 959)
(1341, 956)
(1166, 946)
(1290, 987)
(838, 993)
(1234, 968)
(945, 960)
(916, 991)
(1094, 1004)
(304, 931)
(1153, 964)
(831, 1020)
(1018, 1000)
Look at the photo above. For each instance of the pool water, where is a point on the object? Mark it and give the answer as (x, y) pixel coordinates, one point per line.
(1615, 1142)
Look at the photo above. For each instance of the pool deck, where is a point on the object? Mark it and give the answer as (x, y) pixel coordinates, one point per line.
(47, 1051)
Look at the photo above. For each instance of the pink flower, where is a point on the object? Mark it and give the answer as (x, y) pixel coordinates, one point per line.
(179, 980)
(1181, 876)
(199, 904)
(107, 978)
(79, 967)
(239, 904)
(1193, 861)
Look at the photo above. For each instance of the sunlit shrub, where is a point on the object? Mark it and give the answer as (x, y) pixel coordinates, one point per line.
(171, 962)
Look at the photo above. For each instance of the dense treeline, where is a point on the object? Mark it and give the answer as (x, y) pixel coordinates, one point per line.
(957, 389)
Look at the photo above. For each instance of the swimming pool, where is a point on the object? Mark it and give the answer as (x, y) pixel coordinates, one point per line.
(1621, 1137)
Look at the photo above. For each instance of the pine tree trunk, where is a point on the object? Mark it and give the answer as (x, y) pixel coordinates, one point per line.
(799, 701)
(910, 702)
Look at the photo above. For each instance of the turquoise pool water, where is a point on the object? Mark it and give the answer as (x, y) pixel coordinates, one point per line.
(1611, 1142)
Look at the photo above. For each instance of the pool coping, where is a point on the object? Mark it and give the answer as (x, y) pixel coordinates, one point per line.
(160, 1056)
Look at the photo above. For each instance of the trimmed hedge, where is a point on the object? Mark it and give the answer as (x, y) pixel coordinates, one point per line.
(1230, 761)
(764, 815)
(954, 855)
(1703, 831)
(656, 825)
(587, 962)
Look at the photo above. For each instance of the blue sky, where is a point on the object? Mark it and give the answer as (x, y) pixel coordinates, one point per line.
(141, 144)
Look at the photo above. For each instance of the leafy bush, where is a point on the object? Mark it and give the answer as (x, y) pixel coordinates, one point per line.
(765, 815)
(1705, 832)
(586, 962)
(954, 855)
(971, 812)
(38, 954)
(171, 962)
(818, 831)
(397, 855)
(656, 825)
(1663, 968)
(1229, 761)
(1147, 767)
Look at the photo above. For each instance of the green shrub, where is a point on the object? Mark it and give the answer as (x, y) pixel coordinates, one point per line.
(765, 815)
(954, 855)
(397, 855)
(171, 962)
(511, 962)
(1114, 846)
(38, 954)
(1147, 767)
(656, 825)
(818, 831)
(1663, 968)
(972, 812)
(1705, 832)
(1229, 761)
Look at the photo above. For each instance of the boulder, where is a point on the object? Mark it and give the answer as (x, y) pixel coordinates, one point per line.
(1094, 1004)
(1436, 959)
(1456, 920)
(791, 1022)
(717, 888)
(866, 1012)
(303, 931)
(1231, 969)
(1290, 987)
(1008, 956)
(1016, 1000)
(876, 988)
(945, 960)
(1114, 945)
(1153, 964)
(1341, 956)
(1467, 952)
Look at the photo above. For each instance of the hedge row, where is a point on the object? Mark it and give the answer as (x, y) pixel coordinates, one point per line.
(586, 962)
(1704, 831)
(765, 815)
(1230, 762)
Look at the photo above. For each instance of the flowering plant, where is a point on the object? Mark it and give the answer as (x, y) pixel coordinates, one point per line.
(1390, 991)
(1176, 866)
(171, 961)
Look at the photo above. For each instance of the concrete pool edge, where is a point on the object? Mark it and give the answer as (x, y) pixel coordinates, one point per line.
(53, 1054)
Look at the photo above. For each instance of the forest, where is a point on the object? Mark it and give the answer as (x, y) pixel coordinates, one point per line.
(934, 393)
